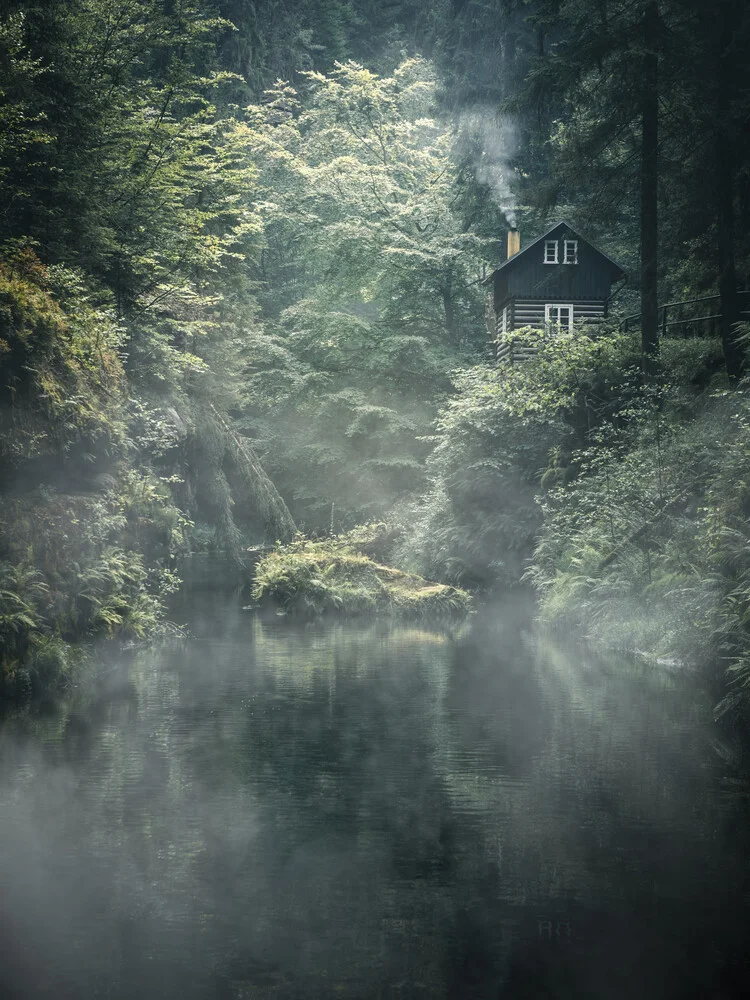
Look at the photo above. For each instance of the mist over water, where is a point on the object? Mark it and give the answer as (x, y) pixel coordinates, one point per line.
(370, 810)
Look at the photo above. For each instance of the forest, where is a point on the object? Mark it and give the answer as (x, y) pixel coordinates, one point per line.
(242, 256)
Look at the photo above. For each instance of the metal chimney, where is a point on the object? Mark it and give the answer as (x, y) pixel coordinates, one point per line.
(514, 242)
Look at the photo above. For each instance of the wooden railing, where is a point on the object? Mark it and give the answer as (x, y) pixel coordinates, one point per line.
(697, 317)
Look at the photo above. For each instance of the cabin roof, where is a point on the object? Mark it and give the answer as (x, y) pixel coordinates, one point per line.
(619, 272)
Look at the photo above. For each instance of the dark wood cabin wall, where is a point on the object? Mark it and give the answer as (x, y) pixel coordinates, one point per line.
(589, 312)
(590, 278)
(530, 312)
(501, 291)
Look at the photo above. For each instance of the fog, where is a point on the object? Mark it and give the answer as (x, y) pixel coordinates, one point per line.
(489, 139)
(280, 810)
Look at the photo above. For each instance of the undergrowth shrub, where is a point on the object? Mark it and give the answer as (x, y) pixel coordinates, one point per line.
(335, 576)
(73, 569)
(648, 548)
(508, 431)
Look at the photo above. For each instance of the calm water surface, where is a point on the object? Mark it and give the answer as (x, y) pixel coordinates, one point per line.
(371, 811)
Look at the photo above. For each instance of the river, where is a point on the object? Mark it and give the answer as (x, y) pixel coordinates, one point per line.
(371, 810)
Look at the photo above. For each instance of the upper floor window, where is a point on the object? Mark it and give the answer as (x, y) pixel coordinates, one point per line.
(570, 252)
(550, 252)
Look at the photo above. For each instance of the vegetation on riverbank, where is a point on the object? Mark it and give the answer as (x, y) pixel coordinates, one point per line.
(336, 576)
(649, 547)
(621, 496)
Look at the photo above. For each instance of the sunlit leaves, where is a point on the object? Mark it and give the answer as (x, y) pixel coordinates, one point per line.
(368, 179)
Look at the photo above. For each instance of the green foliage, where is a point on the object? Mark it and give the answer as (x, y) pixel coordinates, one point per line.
(648, 547)
(73, 568)
(22, 588)
(61, 377)
(130, 224)
(371, 221)
(507, 429)
(31, 657)
(334, 576)
(73, 563)
(139, 175)
(21, 126)
(367, 283)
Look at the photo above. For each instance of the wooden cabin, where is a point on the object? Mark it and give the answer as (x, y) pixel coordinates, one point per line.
(558, 280)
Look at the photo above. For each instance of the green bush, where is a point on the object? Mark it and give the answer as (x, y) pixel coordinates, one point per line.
(509, 431)
(334, 576)
(649, 547)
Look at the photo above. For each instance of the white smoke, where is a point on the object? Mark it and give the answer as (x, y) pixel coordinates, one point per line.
(489, 140)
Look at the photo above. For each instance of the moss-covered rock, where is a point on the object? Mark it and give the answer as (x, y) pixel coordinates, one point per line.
(334, 575)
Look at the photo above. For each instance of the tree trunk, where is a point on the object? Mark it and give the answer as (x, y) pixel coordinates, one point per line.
(449, 307)
(730, 311)
(724, 194)
(649, 183)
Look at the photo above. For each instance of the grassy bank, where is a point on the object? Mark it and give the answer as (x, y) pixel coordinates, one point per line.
(337, 576)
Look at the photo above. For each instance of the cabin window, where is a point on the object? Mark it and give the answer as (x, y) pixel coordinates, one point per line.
(556, 314)
(550, 251)
(570, 252)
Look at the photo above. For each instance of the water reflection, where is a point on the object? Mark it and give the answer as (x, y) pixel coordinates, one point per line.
(370, 811)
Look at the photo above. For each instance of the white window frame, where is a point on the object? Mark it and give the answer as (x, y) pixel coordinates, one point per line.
(563, 324)
(570, 251)
(551, 252)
